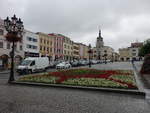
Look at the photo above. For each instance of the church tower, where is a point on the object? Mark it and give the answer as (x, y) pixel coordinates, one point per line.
(99, 41)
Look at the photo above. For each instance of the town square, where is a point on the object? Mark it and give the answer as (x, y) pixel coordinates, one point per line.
(74, 56)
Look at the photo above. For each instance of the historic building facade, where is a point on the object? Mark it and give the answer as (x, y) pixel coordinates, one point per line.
(130, 53)
(67, 48)
(30, 44)
(134, 50)
(102, 52)
(6, 47)
(76, 49)
(83, 51)
(46, 44)
(58, 46)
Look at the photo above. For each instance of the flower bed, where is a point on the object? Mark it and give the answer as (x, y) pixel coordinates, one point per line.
(86, 77)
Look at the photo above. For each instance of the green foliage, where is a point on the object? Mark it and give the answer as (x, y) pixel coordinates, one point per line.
(39, 79)
(105, 78)
(145, 49)
(146, 65)
(127, 79)
(94, 82)
(81, 72)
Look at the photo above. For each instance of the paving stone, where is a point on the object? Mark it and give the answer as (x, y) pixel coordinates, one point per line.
(34, 99)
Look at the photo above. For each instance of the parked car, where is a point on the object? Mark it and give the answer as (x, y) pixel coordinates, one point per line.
(86, 62)
(93, 62)
(108, 60)
(63, 65)
(74, 63)
(82, 63)
(54, 63)
(33, 64)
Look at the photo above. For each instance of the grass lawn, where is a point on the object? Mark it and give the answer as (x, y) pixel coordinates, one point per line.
(86, 77)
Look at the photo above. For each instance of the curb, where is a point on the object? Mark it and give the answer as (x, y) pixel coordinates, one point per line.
(121, 91)
(146, 83)
(5, 72)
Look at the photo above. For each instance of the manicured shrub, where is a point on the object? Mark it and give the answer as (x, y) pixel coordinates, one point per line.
(146, 65)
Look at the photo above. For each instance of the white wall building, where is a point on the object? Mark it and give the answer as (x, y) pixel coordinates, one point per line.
(30, 44)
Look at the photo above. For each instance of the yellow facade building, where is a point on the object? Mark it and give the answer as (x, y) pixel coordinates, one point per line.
(124, 54)
(67, 48)
(46, 44)
(76, 51)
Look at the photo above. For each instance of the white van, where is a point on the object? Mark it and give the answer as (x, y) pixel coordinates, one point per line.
(33, 64)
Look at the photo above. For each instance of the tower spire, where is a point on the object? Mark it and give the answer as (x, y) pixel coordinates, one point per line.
(99, 33)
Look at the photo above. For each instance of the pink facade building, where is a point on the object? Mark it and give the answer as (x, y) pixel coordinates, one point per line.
(58, 46)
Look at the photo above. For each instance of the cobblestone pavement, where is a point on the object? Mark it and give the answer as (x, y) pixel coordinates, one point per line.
(144, 78)
(114, 65)
(35, 99)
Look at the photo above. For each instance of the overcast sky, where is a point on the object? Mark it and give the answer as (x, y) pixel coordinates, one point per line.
(121, 21)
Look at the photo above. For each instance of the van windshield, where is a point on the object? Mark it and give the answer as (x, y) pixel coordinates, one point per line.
(26, 62)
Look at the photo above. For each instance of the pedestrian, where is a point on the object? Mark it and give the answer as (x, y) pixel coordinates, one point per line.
(132, 61)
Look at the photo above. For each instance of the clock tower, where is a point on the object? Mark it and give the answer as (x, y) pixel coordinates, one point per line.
(99, 41)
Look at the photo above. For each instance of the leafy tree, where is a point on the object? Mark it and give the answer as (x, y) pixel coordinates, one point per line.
(145, 49)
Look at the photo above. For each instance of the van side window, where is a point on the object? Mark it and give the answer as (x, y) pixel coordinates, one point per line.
(33, 63)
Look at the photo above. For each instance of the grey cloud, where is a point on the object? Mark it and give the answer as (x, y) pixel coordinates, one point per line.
(79, 19)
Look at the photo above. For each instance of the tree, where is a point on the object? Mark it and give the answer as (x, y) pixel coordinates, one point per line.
(145, 49)
(146, 65)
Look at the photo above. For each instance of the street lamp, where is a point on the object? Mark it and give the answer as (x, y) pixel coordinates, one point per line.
(90, 52)
(14, 28)
(112, 58)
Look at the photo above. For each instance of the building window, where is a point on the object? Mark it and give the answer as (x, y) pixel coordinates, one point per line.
(41, 40)
(1, 44)
(31, 46)
(50, 49)
(29, 38)
(133, 50)
(134, 54)
(34, 40)
(20, 47)
(1, 32)
(28, 46)
(40, 47)
(34, 47)
(8, 45)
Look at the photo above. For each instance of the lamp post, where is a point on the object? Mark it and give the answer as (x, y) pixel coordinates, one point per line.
(112, 58)
(90, 52)
(14, 28)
